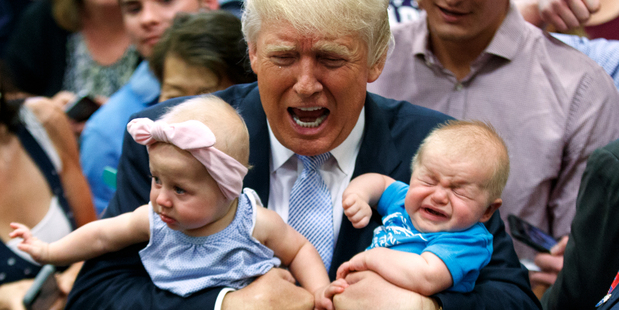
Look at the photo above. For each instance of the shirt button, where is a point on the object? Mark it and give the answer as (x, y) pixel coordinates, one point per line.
(2, 276)
(27, 271)
(459, 86)
(11, 261)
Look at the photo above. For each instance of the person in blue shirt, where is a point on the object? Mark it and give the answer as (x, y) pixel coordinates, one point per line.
(432, 238)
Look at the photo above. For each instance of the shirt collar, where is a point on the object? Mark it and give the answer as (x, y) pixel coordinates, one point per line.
(344, 153)
(505, 43)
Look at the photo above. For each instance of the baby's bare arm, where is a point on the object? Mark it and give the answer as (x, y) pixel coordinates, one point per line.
(363, 192)
(88, 241)
(425, 274)
(292, 249)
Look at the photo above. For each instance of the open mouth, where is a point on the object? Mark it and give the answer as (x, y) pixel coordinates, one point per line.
(435, 212)
(310, 117)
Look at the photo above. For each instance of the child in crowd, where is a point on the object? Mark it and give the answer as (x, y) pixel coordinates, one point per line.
(203, 229)
(435, 224)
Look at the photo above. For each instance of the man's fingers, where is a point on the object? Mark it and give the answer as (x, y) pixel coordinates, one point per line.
(593, 5)
(559, 248)
(579, 10)
(568, 17)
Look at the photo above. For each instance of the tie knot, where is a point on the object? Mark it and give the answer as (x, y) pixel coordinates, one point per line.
(314, 162)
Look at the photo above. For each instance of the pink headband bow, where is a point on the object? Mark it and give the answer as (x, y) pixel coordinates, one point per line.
(196, 138)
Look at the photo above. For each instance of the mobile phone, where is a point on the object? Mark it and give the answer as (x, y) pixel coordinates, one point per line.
(81, 108)
(44, 292)
(530, 235)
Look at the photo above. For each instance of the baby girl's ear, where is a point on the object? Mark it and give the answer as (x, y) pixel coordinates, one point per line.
(490, 210)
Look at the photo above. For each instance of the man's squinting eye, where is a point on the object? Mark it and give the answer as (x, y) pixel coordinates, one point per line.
(332, 62)
(282, 58)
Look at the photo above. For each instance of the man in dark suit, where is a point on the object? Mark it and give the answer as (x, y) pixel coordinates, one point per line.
(313, 60)
(591, 257)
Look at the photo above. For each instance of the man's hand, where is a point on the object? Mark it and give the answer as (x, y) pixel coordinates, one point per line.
(567, 14)
(550, 264)
(274, 290)
(367, 290)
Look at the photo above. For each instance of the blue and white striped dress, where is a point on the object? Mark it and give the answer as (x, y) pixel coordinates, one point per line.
(230, 258)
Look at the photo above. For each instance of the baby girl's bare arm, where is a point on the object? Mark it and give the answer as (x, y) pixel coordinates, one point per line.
(292, 249)
(88, 241)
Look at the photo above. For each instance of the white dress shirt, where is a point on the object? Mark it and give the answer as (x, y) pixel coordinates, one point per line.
(336, 173)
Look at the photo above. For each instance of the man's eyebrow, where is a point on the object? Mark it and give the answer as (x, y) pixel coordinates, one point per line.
(332, 48)
(276, 48)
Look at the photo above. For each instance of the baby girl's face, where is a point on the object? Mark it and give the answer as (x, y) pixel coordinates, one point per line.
(184, 194)
(447, 194)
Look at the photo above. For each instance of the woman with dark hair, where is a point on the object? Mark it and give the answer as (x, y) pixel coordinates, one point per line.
(40, 182)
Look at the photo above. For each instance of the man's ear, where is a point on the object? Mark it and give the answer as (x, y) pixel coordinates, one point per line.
(210, 5)
(377, 68)
(490, 210)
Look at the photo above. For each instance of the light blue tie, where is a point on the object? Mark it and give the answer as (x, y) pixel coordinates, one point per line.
(311, 212)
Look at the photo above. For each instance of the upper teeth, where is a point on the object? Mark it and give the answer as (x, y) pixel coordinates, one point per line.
(310, 109)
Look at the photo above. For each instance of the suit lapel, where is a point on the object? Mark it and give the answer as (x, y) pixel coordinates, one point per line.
(260, 149)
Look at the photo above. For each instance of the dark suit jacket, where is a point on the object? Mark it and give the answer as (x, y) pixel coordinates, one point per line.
(591, 258)
(612, 303)
(394, 130)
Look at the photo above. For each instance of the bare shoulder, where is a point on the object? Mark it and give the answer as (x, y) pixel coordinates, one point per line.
(268, 222)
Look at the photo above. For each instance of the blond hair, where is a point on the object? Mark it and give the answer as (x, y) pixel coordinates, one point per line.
(332, 18)
(223, 120)
(472, 139)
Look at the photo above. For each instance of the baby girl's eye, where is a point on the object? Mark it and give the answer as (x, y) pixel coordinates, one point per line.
(179, 190)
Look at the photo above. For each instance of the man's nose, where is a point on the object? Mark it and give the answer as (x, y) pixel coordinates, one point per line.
(307, 83)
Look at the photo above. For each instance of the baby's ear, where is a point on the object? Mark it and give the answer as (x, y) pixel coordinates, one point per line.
(490, 210)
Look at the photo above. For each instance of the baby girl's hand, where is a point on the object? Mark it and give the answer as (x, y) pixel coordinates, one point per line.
(356, 209)
(324, 296)
(31, 245)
